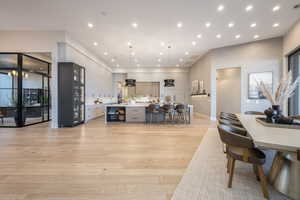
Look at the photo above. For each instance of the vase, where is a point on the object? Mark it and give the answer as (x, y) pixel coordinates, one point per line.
(276, 110)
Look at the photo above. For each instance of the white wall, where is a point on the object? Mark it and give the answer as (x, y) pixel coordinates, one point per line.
(98, 76)
(259, 56)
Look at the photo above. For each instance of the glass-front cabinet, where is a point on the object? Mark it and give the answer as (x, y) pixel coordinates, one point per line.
(71, 94)
(24, 90)
(294, 66)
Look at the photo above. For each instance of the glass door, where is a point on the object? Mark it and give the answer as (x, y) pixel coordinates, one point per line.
(294, 66)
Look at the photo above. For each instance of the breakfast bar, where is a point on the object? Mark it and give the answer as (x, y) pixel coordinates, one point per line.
(138, 113)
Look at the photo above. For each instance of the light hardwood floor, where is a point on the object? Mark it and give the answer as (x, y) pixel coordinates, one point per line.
(96, 161)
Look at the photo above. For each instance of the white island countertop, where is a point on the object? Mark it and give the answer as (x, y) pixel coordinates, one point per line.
(129, 105)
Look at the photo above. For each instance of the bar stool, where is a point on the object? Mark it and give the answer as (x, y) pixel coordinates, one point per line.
(153, 110)
(181, 113)
(242, 148)
(168, 111)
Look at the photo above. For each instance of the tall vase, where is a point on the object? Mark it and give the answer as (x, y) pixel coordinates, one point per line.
(276, 110)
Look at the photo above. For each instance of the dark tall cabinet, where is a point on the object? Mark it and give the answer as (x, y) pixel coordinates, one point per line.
(71, 94)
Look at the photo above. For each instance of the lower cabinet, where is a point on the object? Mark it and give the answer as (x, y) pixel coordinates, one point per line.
(135, 114)
(94, 111)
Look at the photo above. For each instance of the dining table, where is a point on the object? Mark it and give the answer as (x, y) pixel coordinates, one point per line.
(285, 171)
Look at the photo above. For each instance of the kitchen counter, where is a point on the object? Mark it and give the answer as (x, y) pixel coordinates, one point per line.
(125, 112)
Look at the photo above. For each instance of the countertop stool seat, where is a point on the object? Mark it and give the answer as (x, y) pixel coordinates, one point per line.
(242, 148)
(153, 110)
(181, 113)
(168, 110)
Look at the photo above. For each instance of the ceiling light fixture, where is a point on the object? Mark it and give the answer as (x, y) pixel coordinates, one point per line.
(237, 36)
(162, 44)
(161, 53)
(221, 8)
(231, 24)
(129, 43)
(112, 60)
(249, 8)
(133, 53)
(105, 53)
(199, 36)
(134, 25)
(179, 25)
(256, 36)
(219, 36)
(207, 24)
(194, 43)
(253, 25)
(186, 53)
(90, 25)
(159, 60)
(275, 25)
(95, 44)
(180, 60)
(276, 8)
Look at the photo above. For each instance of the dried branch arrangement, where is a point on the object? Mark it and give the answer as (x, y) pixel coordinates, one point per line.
(283, 92)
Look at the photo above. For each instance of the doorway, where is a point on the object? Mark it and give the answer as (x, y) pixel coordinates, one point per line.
(229, 90)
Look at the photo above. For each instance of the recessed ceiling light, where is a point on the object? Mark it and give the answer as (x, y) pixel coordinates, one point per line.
(194, 43)
(159, 60)
(161, 53)
(177, 65)
(231, 24)
(134, 25)
(275, 25)
(220, 8)
(249, 8)
(276, 8)
(207, 24)
(162, 44)
(256, 36)
(253, 25)
(199, 36)
(237, 36)
(105, 53)
(90, 25)
(133, 53)
(95, 43)
(112, 60)
(186, 53)
(179, 25)
(219, 36)
(180, 60)
(129, 43)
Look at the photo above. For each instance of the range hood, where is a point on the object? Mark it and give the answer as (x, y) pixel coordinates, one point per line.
(130, 82)
(169, 83)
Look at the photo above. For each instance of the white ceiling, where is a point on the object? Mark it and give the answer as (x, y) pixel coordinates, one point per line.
(157, 21)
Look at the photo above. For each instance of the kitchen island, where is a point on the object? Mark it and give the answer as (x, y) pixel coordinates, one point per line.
(135, 113)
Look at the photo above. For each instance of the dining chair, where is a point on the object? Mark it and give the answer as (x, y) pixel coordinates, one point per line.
(254, 113)
(297, 117)
(236, 127)
(242, 148)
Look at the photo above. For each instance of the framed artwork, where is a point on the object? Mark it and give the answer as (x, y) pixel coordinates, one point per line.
(254, 78)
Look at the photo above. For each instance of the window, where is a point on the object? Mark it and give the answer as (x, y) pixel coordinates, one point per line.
(294, 66)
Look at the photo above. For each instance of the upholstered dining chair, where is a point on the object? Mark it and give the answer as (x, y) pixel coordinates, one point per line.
(242, 148)
(231, 121)
(297, 117)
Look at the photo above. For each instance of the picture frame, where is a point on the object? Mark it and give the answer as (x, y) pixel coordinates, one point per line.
(256, 77)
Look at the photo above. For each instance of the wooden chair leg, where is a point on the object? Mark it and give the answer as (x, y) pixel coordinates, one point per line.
(231, 172)
(255, 170)
(263, 181)
(228, 165)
